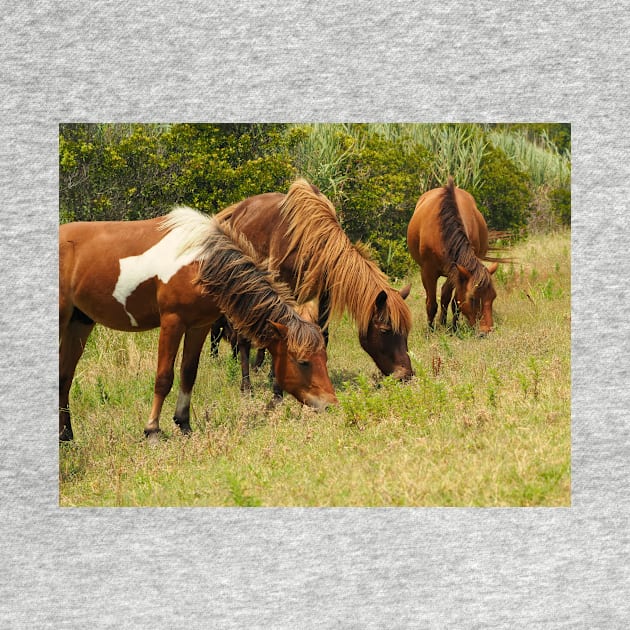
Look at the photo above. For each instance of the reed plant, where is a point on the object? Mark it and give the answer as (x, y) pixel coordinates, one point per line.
(541, 160)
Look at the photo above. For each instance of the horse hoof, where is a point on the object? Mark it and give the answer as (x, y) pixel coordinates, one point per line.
(184, 426)
(66, 435)
(153, 437)
(274, 402)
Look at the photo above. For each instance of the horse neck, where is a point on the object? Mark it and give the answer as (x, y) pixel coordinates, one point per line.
(454, 236)
(353, 283)
(245, 291)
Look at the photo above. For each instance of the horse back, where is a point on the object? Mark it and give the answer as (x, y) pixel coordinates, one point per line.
(424, 238)
(424, 235)
(258, 218)
(107, 270)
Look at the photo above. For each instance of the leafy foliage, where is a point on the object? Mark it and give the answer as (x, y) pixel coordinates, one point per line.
(374, 173)
(503, 196)
(116, 172)
(561, 204)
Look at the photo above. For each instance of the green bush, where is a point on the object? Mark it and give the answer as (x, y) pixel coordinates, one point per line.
(381, 194)
(373, 173)
(111, 172)
(503, 196)
(393, 257)
(560, 199)
(217, 165)
(125, 172)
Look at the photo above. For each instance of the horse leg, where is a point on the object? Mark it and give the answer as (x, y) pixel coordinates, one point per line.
(455, 310)
(216, 334)
(71, 346)
(445, 300)
(171, 332)
(194, 339)
(323, 315)
(430, 286)
(260, 359)
(244, 347)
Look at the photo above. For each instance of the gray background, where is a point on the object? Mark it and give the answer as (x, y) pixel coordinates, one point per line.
(324, 61)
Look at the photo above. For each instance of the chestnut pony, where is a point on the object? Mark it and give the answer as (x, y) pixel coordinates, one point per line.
(448, 236)
(179, 273)
(301, 237)
(241, 346)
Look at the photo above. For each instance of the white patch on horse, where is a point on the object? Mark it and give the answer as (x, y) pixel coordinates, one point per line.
(162, 260)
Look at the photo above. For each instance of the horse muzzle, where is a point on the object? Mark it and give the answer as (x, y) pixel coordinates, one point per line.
(320, 402)
(402, 373)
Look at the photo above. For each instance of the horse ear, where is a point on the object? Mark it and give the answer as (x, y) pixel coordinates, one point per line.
(381, 298)
(492, 267)
(281, 329)
(463, 272)
(404, 292)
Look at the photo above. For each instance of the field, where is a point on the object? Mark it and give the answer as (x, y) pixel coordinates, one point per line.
(485, 422)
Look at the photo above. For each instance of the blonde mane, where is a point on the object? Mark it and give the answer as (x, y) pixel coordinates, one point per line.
(330, 263)
(241, 284)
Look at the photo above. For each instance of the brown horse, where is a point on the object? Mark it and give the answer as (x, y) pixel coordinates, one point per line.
(448, 236)
(241, 346)
(179, 273)
(301, 236)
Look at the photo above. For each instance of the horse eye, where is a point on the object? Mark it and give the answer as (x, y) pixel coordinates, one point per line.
(304, 363)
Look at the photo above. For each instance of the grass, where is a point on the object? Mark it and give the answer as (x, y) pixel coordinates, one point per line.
(485, 422)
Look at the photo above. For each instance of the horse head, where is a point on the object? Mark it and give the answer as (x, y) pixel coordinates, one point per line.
(301, 371)
(385, 342)
(474, 295)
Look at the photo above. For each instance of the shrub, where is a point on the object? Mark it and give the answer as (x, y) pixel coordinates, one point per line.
(560, 199)
(503, 196)
(122, 172)
(380, 196)
(393, 257)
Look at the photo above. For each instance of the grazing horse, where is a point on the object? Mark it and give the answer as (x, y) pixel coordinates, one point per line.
(448, 236)
(301, 237)
(179, 273)
(241, 346)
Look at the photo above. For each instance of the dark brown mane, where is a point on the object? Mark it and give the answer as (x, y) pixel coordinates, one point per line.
(243, 287)
(330, 263)
(458, 247)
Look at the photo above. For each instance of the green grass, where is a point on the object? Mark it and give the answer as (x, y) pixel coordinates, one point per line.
(485, 422)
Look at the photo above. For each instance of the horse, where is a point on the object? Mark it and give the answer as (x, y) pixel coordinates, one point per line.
(300, 235)
(448, 236)
(241, 346)
(179, 272)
